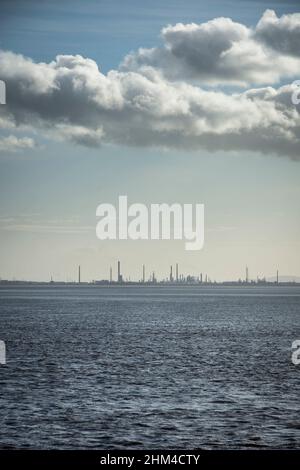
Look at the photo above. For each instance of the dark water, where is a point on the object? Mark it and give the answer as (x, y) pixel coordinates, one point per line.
(142, 367)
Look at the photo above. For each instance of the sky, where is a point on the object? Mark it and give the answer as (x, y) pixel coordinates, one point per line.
(198, 112)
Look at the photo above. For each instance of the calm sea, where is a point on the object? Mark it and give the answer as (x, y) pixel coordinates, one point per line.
(149, 367)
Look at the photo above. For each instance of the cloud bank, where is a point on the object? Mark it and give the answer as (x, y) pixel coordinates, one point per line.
(175, 96)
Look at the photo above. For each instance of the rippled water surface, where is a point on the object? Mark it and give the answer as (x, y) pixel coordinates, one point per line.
(149, 367)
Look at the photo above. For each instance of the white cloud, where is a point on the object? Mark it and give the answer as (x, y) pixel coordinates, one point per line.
(78, 134)
(12, 143)
(222, 51)
(71, 99)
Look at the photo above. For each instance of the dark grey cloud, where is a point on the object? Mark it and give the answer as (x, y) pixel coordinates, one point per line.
(70, 98)
(281, 34)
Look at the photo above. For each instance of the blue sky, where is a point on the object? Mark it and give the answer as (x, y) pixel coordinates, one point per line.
(48, 195)
(106, 30)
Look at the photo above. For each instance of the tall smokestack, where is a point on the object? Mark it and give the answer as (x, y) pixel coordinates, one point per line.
(171, 274)
(143, 273)
(119, 272)
(176, 272)
(247, 274)
(79, 275)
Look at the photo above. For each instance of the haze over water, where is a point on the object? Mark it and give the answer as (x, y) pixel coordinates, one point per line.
(149, 367)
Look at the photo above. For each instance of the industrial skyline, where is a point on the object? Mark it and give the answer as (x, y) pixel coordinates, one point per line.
(179, 278)
(150, 278)
(202, 278)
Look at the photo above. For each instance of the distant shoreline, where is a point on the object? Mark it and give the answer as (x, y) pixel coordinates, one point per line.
(266, 284)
